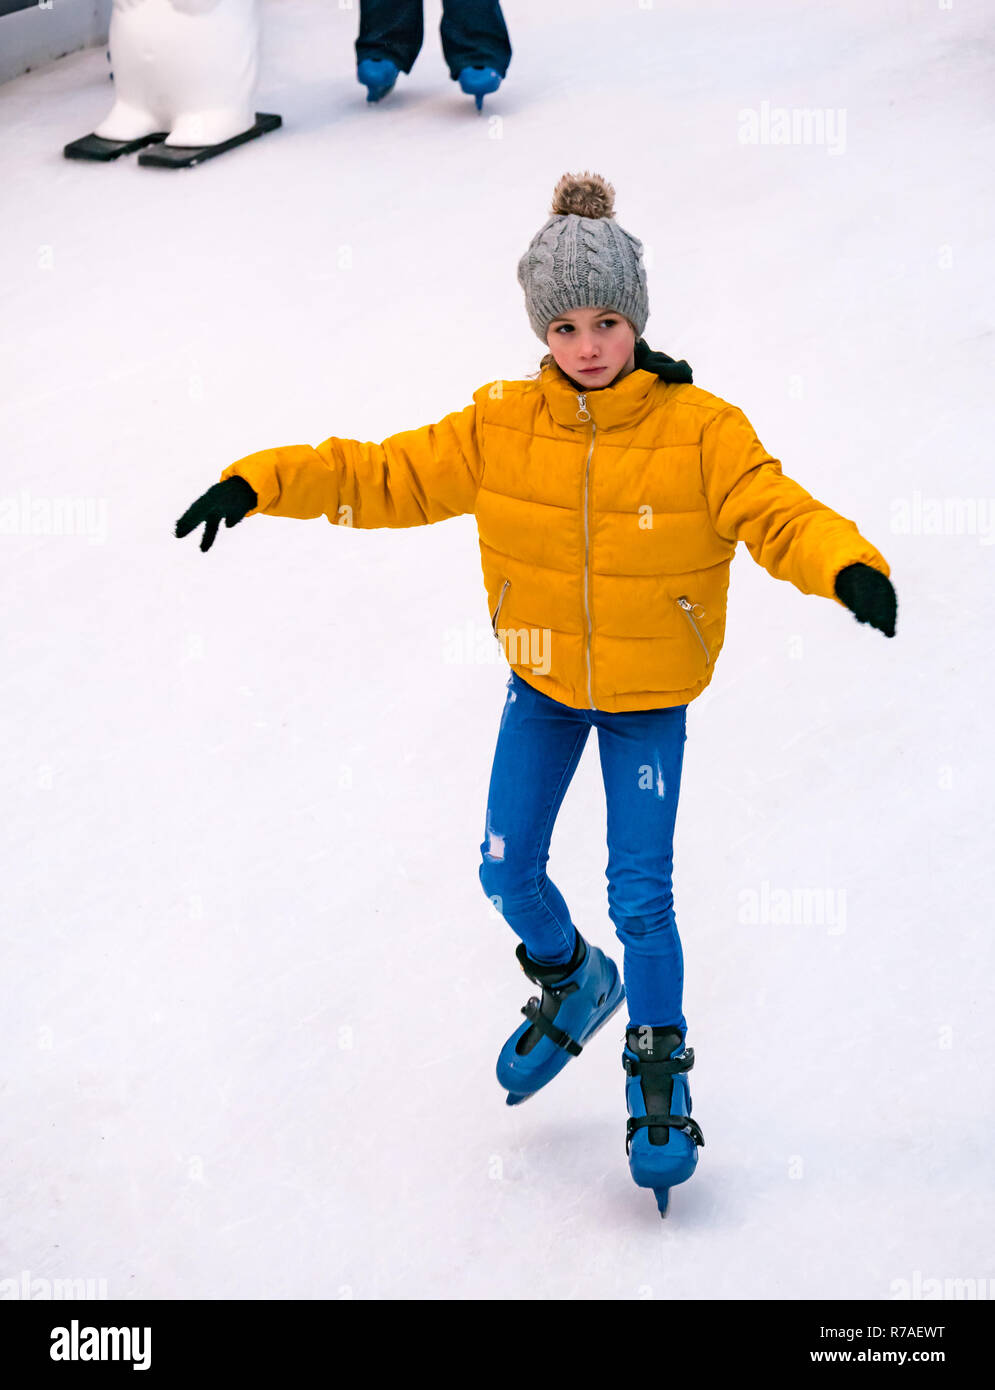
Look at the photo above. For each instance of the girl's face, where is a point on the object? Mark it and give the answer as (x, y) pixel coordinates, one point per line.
(594, 347)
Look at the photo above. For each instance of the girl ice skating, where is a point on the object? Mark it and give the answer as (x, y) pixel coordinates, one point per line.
(610, 494)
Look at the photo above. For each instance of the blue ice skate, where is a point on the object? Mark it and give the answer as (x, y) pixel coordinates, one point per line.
(378, 76)
(578, 998)
(661, 1139)
(478, 81)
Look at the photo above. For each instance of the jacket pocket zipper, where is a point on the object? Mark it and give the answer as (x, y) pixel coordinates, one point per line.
(689, 614)
(497, 610)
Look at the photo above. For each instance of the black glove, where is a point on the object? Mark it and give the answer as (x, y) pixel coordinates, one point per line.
(869, 595)
(228, 501)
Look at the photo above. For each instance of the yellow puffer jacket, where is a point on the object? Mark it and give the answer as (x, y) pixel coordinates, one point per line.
(607, 522)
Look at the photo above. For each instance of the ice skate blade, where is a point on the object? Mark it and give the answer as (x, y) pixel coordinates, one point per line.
(662, 1195)
(183, 156)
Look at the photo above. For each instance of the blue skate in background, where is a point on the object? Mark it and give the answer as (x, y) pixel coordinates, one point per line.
(477, 82)
(378, 76)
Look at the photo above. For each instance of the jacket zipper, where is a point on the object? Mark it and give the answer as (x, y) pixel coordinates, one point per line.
(689, 613)
(584, 414)
(498, 609)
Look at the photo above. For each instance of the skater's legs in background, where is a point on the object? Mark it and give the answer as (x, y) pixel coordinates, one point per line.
(390, 29)
(642, 754)
(474, 32)
(539, 745)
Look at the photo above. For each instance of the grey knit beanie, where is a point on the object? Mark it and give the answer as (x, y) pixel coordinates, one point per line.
(582, 259)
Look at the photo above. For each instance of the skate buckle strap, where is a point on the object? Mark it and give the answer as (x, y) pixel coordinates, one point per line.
(532, 1012)
(548, 976)
(682, 1122)
(664, 1066)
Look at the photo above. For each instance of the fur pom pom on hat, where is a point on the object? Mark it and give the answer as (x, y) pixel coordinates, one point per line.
(585, 195)
(582, 259)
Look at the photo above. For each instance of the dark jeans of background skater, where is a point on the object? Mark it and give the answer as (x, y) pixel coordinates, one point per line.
(473, 31)
(539, 745)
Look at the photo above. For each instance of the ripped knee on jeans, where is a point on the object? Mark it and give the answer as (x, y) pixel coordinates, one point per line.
(495, 846)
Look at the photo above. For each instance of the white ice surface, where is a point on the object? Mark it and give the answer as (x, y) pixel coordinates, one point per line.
(244, 791)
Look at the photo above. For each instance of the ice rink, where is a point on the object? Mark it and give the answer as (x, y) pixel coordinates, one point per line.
(253, 991)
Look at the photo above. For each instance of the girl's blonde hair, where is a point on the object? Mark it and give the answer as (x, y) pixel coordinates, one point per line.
(531, 376)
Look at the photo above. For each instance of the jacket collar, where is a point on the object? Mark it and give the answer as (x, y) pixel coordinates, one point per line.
(612, 407)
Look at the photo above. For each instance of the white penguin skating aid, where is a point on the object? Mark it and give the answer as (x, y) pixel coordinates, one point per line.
(184, 80)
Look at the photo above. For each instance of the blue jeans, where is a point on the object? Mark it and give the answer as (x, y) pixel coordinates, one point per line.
(539, 745)
(472, 31)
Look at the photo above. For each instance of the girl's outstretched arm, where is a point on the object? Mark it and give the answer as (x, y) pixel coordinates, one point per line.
(785, 529)
(412, 479)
